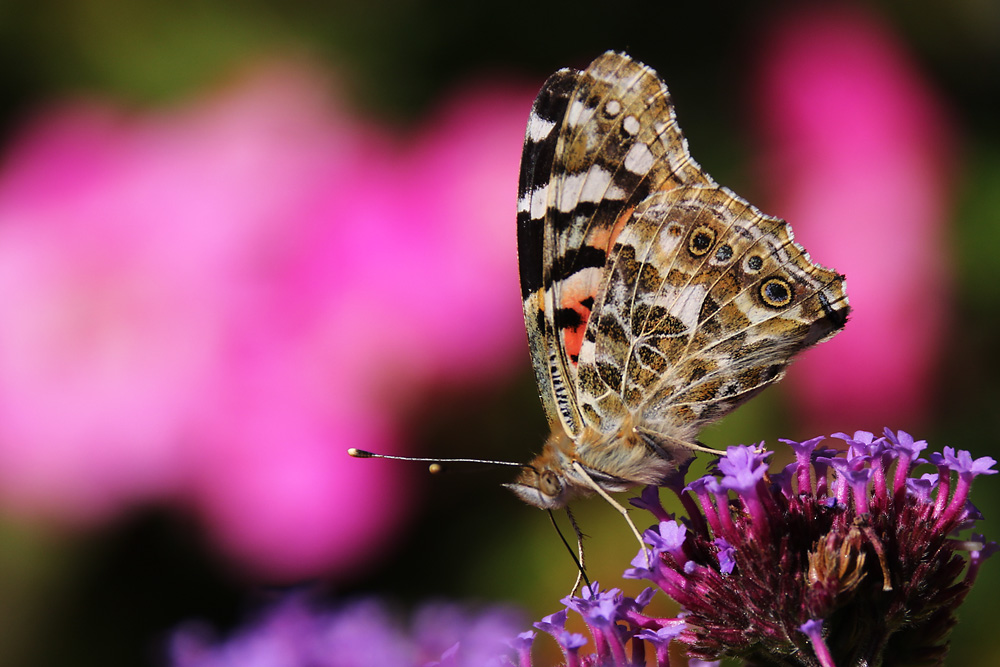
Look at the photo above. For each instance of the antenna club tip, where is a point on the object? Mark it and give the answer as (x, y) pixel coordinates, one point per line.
(435, 468)
(359, 453)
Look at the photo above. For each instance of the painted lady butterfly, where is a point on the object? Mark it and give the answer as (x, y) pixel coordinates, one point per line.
(655, 300)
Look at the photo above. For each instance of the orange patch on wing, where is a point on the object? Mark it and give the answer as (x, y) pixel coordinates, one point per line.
(619, 224)
(583, 287)
(573, 338)
(605, 237)
(572, 298)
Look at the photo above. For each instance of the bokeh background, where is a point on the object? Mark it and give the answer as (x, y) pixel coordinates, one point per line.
(238, 238)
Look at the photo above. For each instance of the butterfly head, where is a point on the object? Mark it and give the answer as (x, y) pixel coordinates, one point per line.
(543, 482)
(547, 482)
(558, 475)
(550, 484)
(544, 488)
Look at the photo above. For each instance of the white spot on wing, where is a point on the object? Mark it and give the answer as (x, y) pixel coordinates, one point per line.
(668, 240)
(575, 113)
(592, 185)
(539, 201)
(582, 280)
(639, 159)
(684, 303)
(524, 203)
(569, 191)
(539, 128)
(631, 125)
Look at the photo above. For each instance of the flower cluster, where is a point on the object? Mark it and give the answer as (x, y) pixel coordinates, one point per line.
(842, 558)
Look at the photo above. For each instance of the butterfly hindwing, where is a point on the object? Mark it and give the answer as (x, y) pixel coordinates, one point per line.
(706, 302)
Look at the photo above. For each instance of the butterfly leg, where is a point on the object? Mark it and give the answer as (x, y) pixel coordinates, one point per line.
(581, 574)
(660, 444)
(614, 503)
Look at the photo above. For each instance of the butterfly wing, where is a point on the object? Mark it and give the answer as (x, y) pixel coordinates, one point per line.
(598, 142)
(706, 301)
(655, 301)
(544, 127)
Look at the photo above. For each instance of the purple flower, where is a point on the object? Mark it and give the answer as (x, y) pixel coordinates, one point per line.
(649, 500)
(522, 646)
(660, 639)
(669, 537)
(620, 629)
(743, 469)
(817, 573)
(905, 443)
(553, 622)
(814, 630)
(569, 642)
(726, 552)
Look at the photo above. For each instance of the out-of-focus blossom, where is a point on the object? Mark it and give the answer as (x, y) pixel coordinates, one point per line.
(295, 633)
(859, 158)
(209, 305)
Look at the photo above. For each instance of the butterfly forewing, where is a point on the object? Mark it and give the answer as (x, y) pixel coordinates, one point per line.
(598, 142)
(544, 127)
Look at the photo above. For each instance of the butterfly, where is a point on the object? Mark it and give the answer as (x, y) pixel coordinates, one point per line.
(655, 300)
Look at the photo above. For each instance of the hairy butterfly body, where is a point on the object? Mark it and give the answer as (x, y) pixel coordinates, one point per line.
(655, 300)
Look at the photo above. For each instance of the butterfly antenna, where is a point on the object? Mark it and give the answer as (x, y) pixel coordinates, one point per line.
(435, 466)
(581, 574)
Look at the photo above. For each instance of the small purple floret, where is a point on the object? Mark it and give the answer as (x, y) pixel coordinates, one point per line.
(742, 468)
(725, 555)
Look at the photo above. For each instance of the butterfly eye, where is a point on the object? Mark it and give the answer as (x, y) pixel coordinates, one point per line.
(549, 484)
(701, 241)
(776, 292)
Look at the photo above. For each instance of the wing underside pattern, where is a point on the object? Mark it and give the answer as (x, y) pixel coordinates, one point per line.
(598, 143)
(655, 301)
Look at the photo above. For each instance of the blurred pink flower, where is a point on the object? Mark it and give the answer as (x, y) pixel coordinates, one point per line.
(860, 157)
(209, 305)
